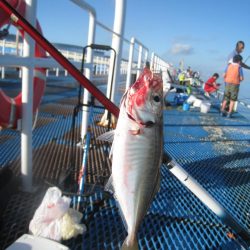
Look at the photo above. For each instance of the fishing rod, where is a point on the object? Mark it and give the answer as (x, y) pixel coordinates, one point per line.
(247, 59)
(82, 174)
(245, 98)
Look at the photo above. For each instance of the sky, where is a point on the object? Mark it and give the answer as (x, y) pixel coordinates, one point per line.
(201, 33)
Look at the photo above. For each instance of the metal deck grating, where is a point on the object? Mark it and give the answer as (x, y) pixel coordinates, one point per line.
(177, 219)
(55, 109)
(17, 215)
(219, 161)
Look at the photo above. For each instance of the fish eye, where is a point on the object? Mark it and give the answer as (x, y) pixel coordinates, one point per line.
(156, 98)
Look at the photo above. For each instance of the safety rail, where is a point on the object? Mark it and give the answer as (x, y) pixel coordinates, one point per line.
(31, 62)
(99, 65)
(156, 63)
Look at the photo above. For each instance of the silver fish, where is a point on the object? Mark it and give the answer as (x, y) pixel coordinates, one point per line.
(137, 152)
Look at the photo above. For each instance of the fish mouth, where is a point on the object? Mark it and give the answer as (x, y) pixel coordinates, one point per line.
(147, 124)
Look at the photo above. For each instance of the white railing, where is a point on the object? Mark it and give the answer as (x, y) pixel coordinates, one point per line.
(100, 65)
(104, 66)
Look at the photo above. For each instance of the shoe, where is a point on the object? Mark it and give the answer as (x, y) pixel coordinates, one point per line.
(223, 113)
(229, 115)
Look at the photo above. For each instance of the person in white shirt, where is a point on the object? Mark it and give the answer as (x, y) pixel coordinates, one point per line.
(240, 45)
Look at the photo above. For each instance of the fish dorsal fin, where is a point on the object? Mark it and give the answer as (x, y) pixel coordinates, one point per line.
(109, 185)
(107, 136)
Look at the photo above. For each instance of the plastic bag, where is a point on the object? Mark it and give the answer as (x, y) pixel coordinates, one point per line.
(70, 224)
(47, 219)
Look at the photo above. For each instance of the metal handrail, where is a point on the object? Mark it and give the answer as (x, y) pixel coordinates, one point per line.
(46, 45)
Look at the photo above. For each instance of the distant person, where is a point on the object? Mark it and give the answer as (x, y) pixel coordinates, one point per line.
(196, 74)
(189, 72)
(211, 86)
(233, 76)
(240, 45)
(181, 78)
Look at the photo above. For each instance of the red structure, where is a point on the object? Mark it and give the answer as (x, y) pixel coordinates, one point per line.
(11, 108)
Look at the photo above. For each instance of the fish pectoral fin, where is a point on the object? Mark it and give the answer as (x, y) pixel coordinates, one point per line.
(108, 136)
(128, 245)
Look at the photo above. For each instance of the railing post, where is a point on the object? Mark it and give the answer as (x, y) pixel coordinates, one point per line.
(130, 62)
(156, 63)
(146, 55)
(139, 61)
(152, 63)
(88, 73)
(120, 10)
(17, 43)
(27, 101)
(3, 68)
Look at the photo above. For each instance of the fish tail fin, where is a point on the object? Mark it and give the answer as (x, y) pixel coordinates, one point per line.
(130, 245)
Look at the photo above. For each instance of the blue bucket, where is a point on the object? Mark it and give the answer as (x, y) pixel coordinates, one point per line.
(179, 99)
(185, 106)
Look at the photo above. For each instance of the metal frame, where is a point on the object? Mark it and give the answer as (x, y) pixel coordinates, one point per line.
(134, 41)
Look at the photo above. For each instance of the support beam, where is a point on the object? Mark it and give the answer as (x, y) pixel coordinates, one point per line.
(119, 23)
(27, 101)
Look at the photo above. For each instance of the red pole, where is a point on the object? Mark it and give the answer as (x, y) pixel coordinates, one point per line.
(46, 45)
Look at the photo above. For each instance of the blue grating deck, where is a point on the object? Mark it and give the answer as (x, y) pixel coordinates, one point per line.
(214, 150)
(176, 220)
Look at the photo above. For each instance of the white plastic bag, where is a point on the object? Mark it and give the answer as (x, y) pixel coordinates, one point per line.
(47, 219)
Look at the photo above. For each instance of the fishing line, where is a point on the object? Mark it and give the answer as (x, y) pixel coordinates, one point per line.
(247, 59)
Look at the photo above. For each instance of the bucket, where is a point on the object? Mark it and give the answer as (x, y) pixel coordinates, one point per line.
(179, 99)
(197, 103)
(185, 106)
(205, 107)
(191, 99)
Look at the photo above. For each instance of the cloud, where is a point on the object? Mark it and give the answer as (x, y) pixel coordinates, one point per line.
(185, 38)
(181, 49)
